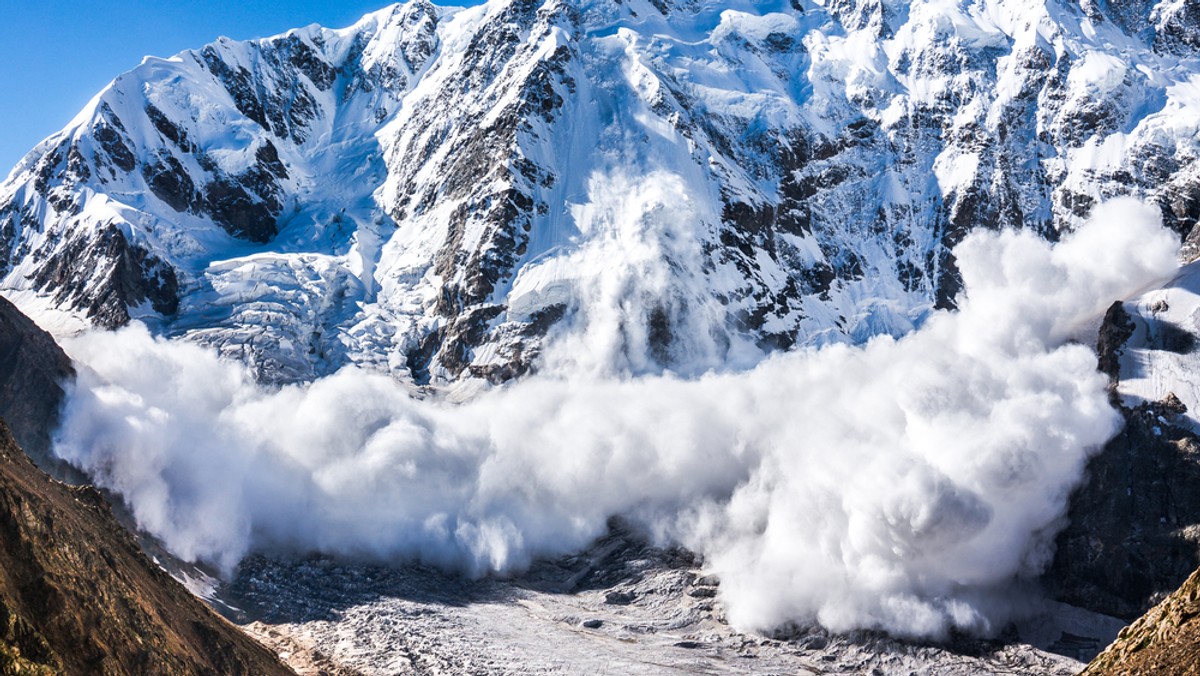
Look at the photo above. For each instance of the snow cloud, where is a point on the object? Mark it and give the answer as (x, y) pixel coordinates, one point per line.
(902, 485)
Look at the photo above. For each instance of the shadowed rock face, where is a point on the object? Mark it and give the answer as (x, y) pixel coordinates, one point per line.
(1132, 535)
(1134, 525)
(33, 369)
(77, 596)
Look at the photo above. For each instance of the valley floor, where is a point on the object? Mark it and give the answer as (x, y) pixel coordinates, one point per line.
(622, 607)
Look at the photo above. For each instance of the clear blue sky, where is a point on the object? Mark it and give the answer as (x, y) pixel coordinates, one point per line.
(56, 54)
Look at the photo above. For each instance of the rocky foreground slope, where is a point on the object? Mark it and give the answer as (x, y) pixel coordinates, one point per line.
(77, 595)
(1164, 641)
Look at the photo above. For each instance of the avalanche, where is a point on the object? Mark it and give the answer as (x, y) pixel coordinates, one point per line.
(684, 260)
(904, 485)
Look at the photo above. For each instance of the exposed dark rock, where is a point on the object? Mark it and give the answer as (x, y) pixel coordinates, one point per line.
(1180, 204)
(77, 166)
(541, 321)
(1115, 330)
(171, 131)
(170, 182)
(465, 333)
(268, 158)
(33, 371)
(316, 69)
(47, 167)
(104, 275)
(114, 146)
(240, 85)
(418, 359)
(236, 210)
(1132, 534)
(1178, 28)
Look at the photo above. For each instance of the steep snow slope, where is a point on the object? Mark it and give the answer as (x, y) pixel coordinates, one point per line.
(656, 185)
(1159, 358)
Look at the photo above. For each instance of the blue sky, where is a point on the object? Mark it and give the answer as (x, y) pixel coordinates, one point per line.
(56, 54)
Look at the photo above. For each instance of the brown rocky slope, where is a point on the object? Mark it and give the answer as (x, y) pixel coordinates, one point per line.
(77, 596)
(1164, 641)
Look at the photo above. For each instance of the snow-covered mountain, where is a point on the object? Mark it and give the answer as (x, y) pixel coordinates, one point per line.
(662, 184)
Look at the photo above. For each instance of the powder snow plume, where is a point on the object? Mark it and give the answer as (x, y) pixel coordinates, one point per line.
(902, 485)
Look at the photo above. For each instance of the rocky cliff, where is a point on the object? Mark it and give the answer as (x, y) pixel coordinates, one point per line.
(33, 371)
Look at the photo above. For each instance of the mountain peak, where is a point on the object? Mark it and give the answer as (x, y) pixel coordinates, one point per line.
(432, 192)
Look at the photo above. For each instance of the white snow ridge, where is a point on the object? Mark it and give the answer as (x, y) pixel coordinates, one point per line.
(799, 286)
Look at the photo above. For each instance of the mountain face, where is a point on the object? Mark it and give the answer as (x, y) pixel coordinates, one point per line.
(676, 184)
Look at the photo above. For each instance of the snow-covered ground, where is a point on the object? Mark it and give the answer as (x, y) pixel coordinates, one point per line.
(1162, 356)
(618, 608)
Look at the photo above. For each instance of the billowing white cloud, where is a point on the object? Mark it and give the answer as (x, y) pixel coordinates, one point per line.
(900, 485)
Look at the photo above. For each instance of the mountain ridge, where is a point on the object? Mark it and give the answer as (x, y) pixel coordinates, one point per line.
(432, 192)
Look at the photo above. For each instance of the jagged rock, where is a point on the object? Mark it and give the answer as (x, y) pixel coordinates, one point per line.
(1115, 330)
(33, 372)
(1133, 528)
(103, 275)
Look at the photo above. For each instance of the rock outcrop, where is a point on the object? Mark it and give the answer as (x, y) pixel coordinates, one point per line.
(1164, 642)
(1133, 531)
(33, 371)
